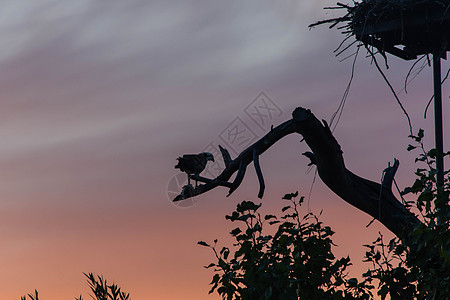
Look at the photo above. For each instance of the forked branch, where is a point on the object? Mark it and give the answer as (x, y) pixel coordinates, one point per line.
(373, 198)
(240, 163)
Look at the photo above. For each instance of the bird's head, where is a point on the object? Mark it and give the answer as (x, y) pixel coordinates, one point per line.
(208, 156)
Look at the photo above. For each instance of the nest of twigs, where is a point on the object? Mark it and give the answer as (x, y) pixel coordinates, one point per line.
(420, 26)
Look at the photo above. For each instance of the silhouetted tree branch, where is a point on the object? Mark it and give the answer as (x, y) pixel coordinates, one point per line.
(373, 198)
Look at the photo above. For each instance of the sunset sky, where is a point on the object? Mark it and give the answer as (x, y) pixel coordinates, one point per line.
(98, 99)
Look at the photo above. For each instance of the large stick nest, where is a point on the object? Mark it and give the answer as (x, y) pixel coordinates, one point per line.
(421, 26)
(376, 11)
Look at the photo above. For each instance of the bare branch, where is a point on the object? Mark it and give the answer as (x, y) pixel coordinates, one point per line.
(262, 186)
(207, 180)
(246, 157)
(226, 156)
(239, 177)
(389, 174)
(326, 153)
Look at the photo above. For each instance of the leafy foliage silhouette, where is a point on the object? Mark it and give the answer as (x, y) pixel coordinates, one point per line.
(100, 288)
(419, 266)
(297, 262)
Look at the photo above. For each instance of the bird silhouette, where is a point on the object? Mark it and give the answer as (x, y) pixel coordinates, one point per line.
(194, 164)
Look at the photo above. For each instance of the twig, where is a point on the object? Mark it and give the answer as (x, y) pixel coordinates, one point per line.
(262, 186)
(348, 46)
(411, 69)
(340, 108)
(389, 174)
(357, 191)
(432, 97)
(207, 180)
(239, 177)
(392, 90)
(226, 156)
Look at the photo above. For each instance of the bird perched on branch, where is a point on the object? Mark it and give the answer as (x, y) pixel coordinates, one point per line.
(193, 164)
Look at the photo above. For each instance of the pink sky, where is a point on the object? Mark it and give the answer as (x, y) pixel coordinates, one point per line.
(98, 98)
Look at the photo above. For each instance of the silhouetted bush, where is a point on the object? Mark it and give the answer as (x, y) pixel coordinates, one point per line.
(297, 262)
(100, 288)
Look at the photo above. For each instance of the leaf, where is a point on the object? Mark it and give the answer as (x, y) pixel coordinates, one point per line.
(353, 282)
(285, 208)
(301, 200)
(406, 191)
(247, 205)
(290, 196)
(432, 153)
(235, 231)
(410, 147)
(244, 217)
(215, 279)
(268, 217)
(210, 265)
(202, 243)
(426, 196)
(420, 134)
(417, 186)
(226, 253)
(234, 216)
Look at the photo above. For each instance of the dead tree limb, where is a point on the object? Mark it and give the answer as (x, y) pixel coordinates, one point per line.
(373, 198)
(262, 185)
(240, 163)
(226, 156)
